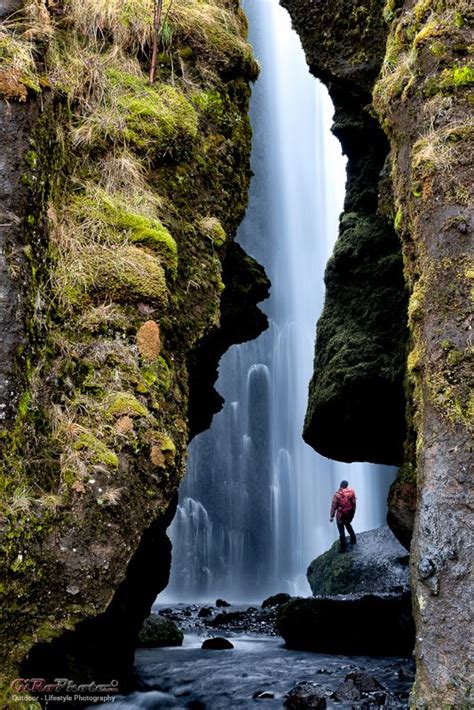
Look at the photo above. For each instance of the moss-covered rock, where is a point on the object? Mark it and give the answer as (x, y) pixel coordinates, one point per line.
(159, 631)
(377, 564)
(356, 405)
(131, 195)
(356, 402)
(423, 99)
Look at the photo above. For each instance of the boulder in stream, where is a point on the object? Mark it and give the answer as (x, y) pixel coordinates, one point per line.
(276, 600)
(159, 631)
(364, 624)
(218, 643)
(378, 564)
(305, 696)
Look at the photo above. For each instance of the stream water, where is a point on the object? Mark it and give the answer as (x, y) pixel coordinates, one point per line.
(254, 506)
(188, 677)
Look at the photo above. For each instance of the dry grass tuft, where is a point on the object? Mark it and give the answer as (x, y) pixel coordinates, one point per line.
(443, 148)
(127, 23)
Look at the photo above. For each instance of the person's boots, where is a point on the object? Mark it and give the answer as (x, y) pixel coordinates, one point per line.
(343, 546)
(353, 540)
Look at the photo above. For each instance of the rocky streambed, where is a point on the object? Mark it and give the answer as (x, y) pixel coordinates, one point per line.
(258, 670)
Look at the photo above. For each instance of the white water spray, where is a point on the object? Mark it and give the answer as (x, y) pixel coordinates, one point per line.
(254, 506)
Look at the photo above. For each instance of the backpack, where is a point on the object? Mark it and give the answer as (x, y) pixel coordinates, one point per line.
(346, 499)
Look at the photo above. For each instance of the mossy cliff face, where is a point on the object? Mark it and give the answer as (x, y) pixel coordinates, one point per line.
(122, 201)
(356, 409)
(422, 98)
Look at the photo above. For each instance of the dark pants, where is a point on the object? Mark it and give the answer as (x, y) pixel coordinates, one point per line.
(345, 522)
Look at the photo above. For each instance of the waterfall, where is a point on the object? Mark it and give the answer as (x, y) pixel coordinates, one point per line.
(254, 506)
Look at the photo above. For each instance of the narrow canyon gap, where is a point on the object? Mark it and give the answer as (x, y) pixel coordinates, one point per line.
(254, 505)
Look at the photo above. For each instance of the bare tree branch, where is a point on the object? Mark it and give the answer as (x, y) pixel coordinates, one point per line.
(157, 10)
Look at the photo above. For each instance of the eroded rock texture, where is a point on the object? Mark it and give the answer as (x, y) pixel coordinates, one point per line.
(124, 200)
(422, 99)
(356, 409)
(15, 126)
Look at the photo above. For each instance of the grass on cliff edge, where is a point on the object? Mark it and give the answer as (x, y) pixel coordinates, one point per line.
(109, 246)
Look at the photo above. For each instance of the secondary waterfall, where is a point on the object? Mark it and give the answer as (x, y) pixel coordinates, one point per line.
(254, 506)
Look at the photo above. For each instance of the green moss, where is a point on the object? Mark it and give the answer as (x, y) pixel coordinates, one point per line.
(331, 572)
(397, 223)
(406, 473)
(96, 450)
(463, 76)
(459, 20)
(123, 403)
(31, 158)
(450, 80)
(389, 11)
(125, 274)
(213, 229)
(155, 120)
(115, 218)
(166, 445)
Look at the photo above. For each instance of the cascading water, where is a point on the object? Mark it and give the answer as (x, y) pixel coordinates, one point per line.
(254, 506)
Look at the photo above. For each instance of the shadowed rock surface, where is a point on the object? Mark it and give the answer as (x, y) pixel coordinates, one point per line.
(15, 131)
(359, 624)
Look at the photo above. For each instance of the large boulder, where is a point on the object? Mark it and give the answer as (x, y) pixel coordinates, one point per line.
(218, 643)
(377, 564)
(364, 624)
(304, 696)
(276, 600)
(160, 631)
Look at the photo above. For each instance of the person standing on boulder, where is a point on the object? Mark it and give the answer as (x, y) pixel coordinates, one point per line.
(344, 507)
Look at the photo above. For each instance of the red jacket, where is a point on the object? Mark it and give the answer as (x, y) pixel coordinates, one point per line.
(343, 503)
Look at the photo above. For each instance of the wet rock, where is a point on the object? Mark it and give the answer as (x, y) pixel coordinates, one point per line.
(346, 691)
(160, 631)
(247, 620)
(222, 603)
(218, 643)
(363, 624)
(205, 612)
(228, 617)
(305, 695)
(377, 564)
(276, 600)
(364, 682)
(402, 505)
